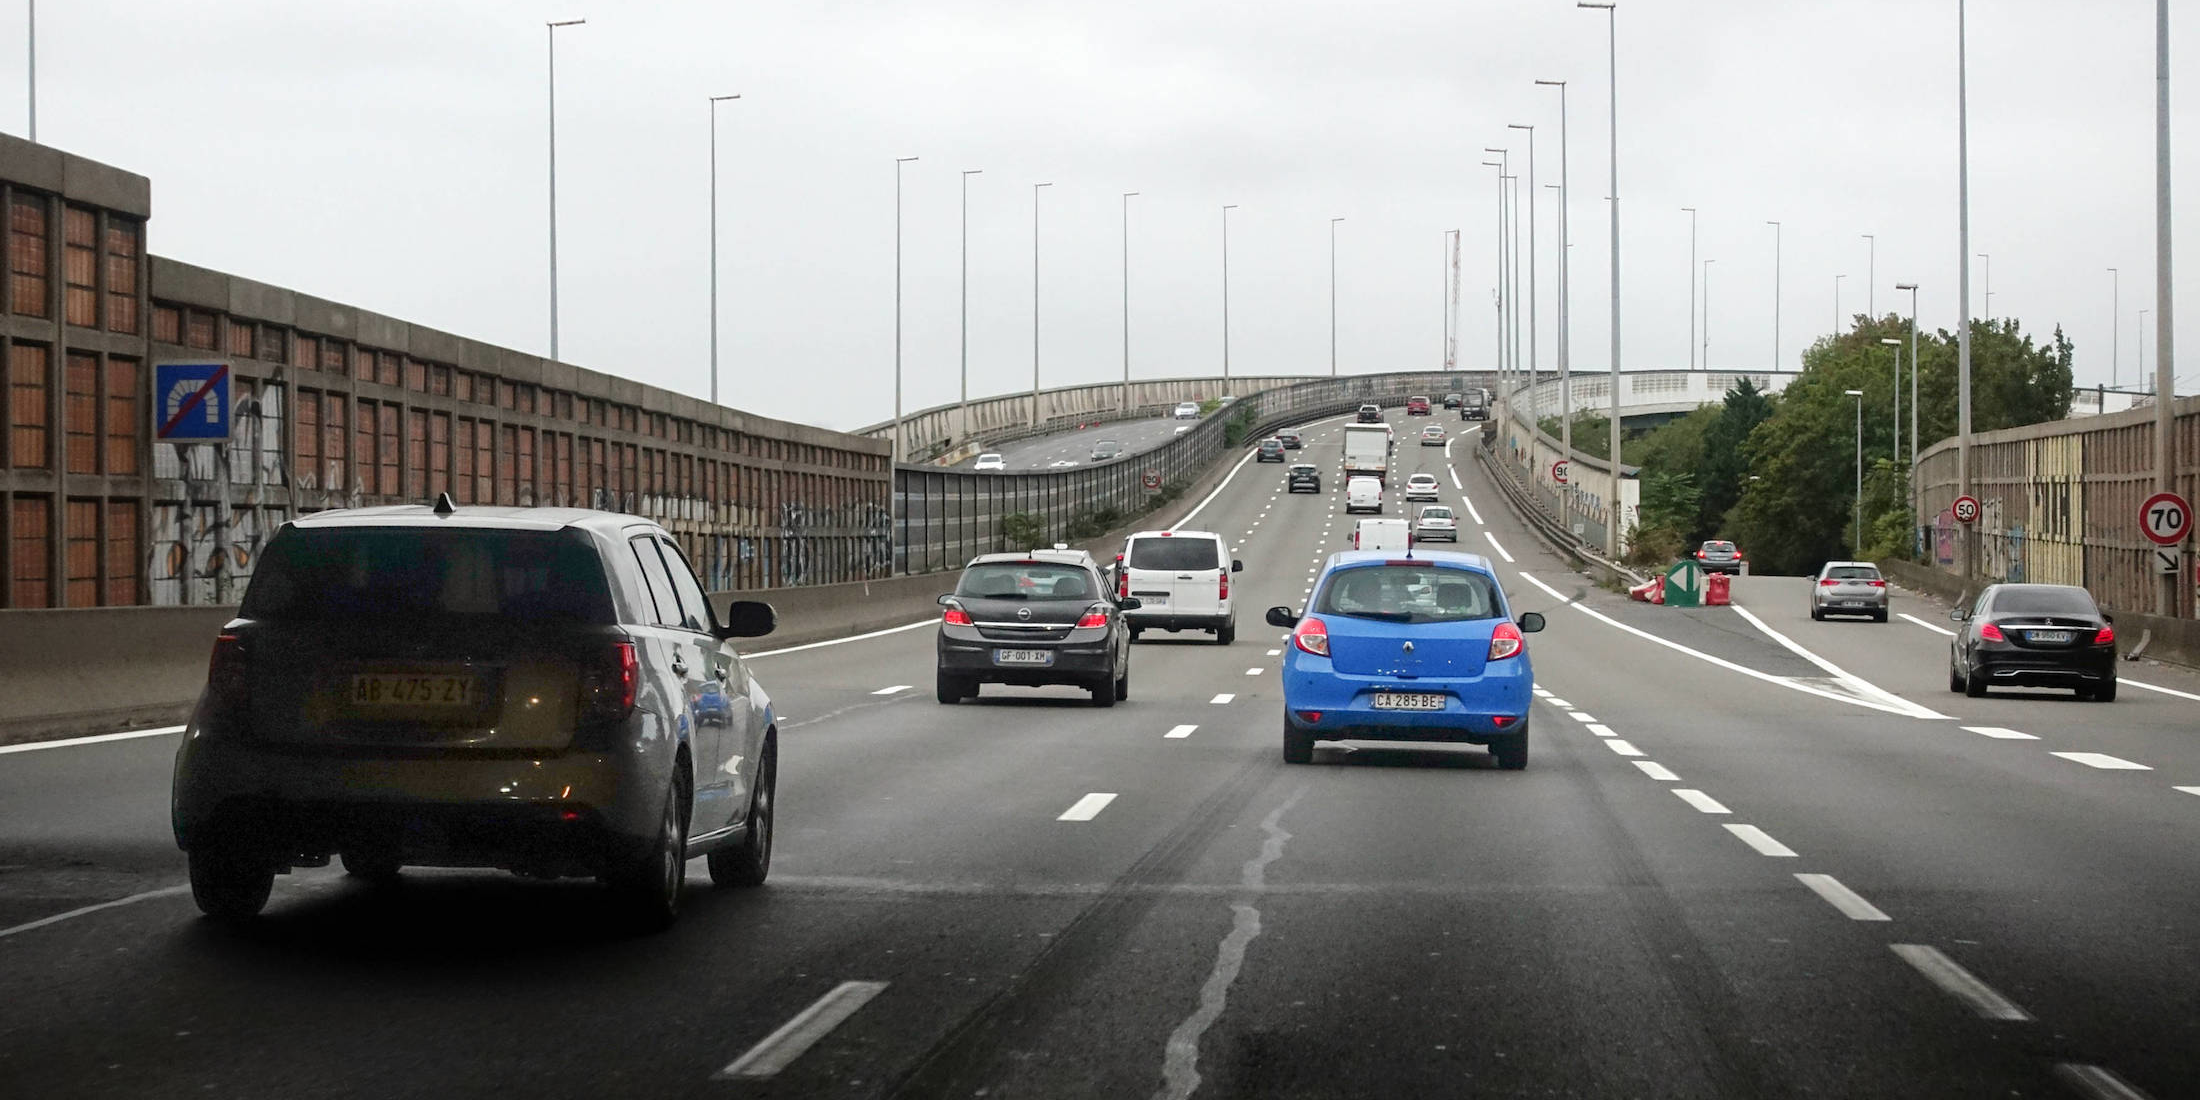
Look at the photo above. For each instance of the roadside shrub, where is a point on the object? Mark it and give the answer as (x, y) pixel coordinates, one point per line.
(1022, 531)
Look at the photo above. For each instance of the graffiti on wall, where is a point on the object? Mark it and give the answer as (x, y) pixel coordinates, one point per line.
(201, 549)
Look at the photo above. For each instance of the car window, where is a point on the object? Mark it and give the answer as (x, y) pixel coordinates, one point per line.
(667, 605)
(1719, 547)
(1852, 573)
(2044, 601)
(1433, 512)
(1410, 594)
(695, 610)
(323, 574)
(1026, 580)
(1174, 553)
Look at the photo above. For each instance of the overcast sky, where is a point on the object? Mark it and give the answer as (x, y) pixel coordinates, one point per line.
(392, 154)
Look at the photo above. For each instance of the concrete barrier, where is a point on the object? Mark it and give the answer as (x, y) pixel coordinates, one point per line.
(96, 669)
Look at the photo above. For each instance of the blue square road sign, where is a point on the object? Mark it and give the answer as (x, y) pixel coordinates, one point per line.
(191, 402)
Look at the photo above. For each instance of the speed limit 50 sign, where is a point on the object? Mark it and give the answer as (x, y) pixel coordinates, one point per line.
(1965, 509)
(2165, 518)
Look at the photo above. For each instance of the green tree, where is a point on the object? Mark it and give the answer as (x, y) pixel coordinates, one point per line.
(1725, 463)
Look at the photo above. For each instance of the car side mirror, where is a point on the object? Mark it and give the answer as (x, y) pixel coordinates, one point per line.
(2108, 618)
(748, 619)
(1282, 616)
(1957, 614)
(946, 599)
(1236, 566)
(1130, 603)
(1531, 622)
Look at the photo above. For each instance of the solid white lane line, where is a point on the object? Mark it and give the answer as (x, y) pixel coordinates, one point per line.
(1254, 671)
(1623, 748)
(1221, 699)
(1850, 680)
(1909, 710)
(1500, 550)
(797, 1036)
(1463, 499)
(2000, 732)
(1601, 730)
(95, 739)
(1087, 808)
(1934, 627)
(1560, 703)
(2187, 790)
(1657, 771)
(2103, 761)
(891, 690)
(1701, 801)
(1762, 841)
(932, 621)
(1278, 652)
(57, 918)
(2164, 690)
(2096, 1083)
(1851, 904)
(1958, 982)
(1582, 716)
(1180, 731)
(1455, 482)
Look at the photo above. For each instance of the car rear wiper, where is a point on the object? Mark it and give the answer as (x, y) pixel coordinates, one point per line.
(1385, 616)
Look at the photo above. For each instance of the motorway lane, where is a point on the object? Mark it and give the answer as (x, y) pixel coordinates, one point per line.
(1062, 450)
(1425, 924)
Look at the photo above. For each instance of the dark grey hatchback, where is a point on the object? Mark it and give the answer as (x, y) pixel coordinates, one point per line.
(1031, 620)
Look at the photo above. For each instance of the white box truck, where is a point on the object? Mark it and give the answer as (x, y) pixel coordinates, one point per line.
(1367, 451)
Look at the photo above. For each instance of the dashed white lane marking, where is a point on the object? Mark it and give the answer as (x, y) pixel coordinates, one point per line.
(796, 1036)
(1500, 550)
(2102, 760)
(1463, 499)
(891, 690)
(1455, 483)
(1623, 748)
(2000, 732)
(1657, 771)
(1704, 803)
(57, 918)
(1087, 808)
(1762, 841)
(97, 738)
(1180, 731)
(1254, 671)
(1959, 983)
(1277, 652)
(1601, 730)
(2133, 683)
(2096, 1083)
(1582, 716)
(2187, 790)
(1221, 699)
(1542, 693)
(1851, 904)
(1559, 703)
(1934, 627)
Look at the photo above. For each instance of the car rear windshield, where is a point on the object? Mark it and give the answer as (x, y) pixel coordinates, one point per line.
(1718, 547)
(1853, 573)
(1174, 553)
(1410, 594)
(1433, 512)
(1026, 580)
(2044, 601)
(422, 573)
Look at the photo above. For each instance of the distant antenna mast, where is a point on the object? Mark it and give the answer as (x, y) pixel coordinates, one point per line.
(1451, 340)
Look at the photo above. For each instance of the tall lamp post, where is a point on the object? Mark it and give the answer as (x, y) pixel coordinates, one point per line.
(1837, 303)
(2168, 597)
(1127, 197)
(1856, 533)
(1775, 294)
(1691, 212)
(1889, 341)
(1611, 526)
(553, 83)
(1707, 313)
(962, 430)
(1333, 296)
(1565, 307)
(1871, 276)
(1499, 292)
(1035, 301)
(1535, 358)
(900, 444)
(1963, 278)
(31, 40)
(2115, 325)
(1226, 293)
(1508, 341)
(1914, 521)
(714, 102)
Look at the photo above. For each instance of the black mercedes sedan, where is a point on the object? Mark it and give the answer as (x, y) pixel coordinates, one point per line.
(1031, 620)
(2034, 635)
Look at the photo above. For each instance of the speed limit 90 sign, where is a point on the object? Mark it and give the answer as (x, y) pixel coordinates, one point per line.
(2165, 518)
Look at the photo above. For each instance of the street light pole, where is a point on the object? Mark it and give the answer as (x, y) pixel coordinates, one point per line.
(2167, 597)
(1871, 276)
(1611, 526)
(1889, 341)
(1856, 533)
(901, 449)
(1837, 303)
(962, 429)
(1226, 294)
(1707, 313)
(2115, 325)
(2143, 350)
(1507, 343)
(1963, 276)
(714, 102)
(1691, 212)
(1127, 197)
(1986, 263)
(553, 84)
(1535, 359)
(1035, 302)
(1333, 296)
(1775, 294)
(31, 38)
(1912, 478)
(1565, 308)
(1500, 302)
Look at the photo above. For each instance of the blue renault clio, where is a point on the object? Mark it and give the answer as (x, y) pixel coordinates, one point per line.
(1415, 647)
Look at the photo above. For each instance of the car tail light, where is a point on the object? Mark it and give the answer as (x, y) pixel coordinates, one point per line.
(609, 684)
(1122, 580)
(1877, 584)
(1699, 555)
(1312, 636)
(1308, 715)
(1090, 618)
(1506, 641)
(1502, 720)
(1223, 591)
(955, 616)
(1990, 633)
(1829, 582)
(225, 672)
(2107, 636)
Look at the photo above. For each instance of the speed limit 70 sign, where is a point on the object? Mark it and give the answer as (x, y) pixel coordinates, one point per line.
(2165, 518)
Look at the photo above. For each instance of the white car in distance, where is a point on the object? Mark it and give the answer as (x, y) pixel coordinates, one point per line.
(990, 463)
(1187, 410)
(1421, 487)
(1436, 521)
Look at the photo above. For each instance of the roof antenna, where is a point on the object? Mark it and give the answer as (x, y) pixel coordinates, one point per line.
(444, 505)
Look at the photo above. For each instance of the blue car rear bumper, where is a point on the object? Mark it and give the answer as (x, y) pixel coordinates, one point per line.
(1346, 703)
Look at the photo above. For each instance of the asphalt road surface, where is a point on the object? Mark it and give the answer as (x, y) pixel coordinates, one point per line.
(1063, 450)
(1751, 856)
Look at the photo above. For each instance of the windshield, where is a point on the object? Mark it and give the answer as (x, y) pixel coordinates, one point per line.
(1434, 512)
(1409, 594)
(1026, 580)
(420, 573)
(2044, 600)
(1175, 553)
(1853, 573)
(1302, 470)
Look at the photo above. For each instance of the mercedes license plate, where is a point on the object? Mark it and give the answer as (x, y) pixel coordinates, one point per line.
(1023, 656)
(2051, 637)
(400, 690)
(1407, 700)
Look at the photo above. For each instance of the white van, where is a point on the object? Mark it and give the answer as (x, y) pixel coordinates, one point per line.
(1363, 494)
(1382, 534)
(1182, 582)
